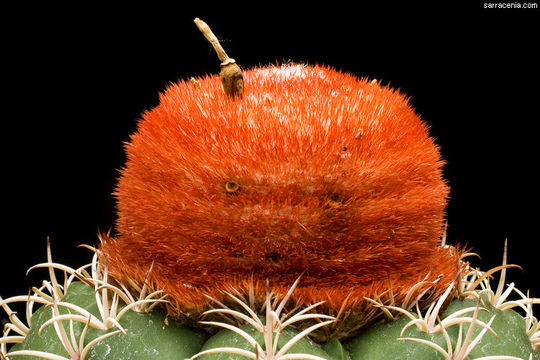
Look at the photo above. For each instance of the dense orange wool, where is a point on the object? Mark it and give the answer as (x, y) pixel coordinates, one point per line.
(312, 172)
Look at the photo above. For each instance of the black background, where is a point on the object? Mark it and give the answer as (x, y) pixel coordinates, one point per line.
(76, 79)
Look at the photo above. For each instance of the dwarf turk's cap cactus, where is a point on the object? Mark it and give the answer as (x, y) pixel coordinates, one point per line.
(305, 176)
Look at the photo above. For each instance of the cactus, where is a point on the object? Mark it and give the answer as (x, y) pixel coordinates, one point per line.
(477, 323)
(85, 317)
(300, 218)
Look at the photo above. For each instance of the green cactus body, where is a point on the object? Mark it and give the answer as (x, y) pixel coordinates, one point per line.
(78, 294)
(511, 338)
(335, 349)
(148, 336)
(381, 342)
(228, 338)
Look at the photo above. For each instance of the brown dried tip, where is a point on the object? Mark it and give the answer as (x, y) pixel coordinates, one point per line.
(231, 74)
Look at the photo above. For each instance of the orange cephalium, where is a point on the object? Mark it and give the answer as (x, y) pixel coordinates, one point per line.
(312, 172)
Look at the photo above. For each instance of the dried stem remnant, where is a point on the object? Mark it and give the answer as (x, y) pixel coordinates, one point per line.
(231, 74)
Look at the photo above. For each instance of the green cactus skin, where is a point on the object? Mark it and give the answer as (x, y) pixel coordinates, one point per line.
(511, 339)
(228, 338)
(78, 294)
(148, 337)
(335, 349)
(379, 342)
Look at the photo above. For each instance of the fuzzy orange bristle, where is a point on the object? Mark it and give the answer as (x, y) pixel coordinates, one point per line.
(312, 172)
